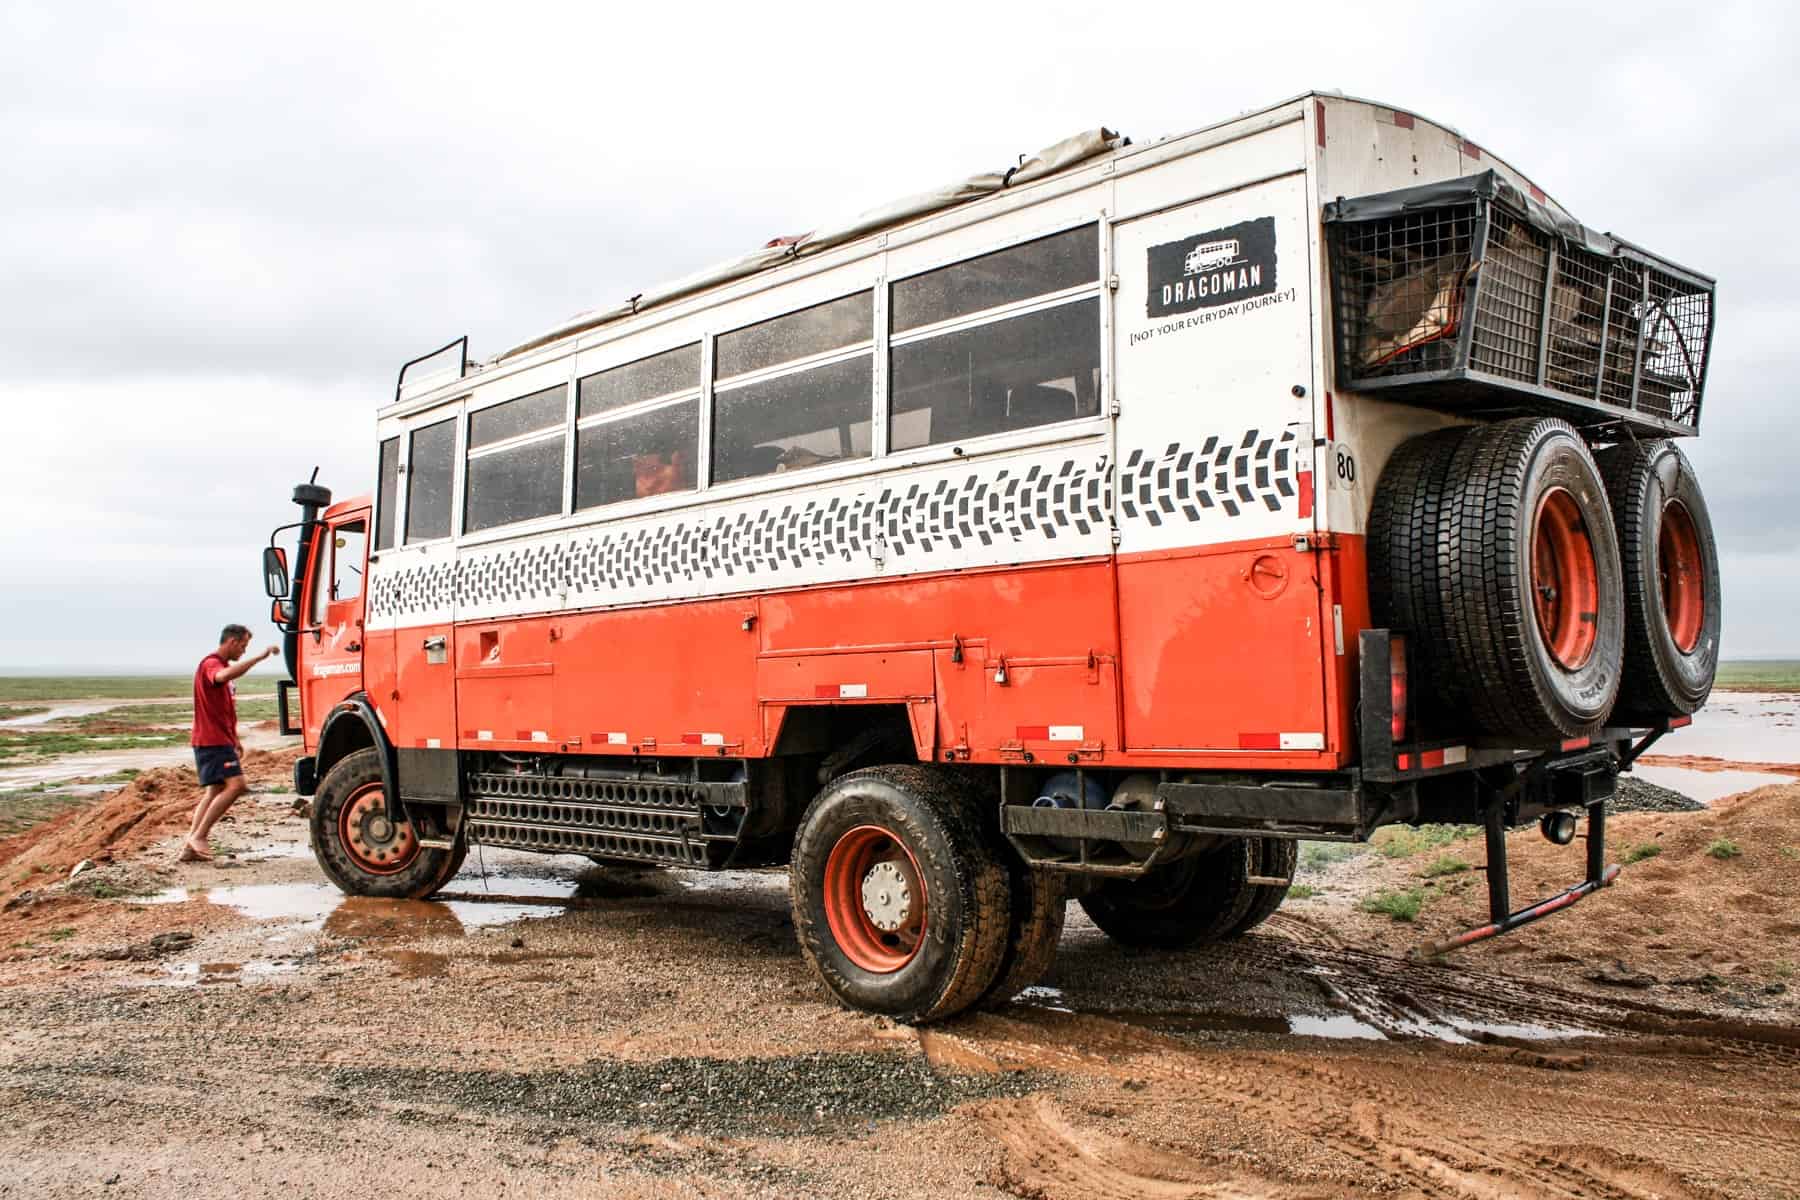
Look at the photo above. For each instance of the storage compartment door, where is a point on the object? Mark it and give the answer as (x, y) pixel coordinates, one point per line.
(1212, 352)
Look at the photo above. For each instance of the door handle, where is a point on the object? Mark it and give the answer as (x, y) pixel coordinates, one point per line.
(434, 643)
(353, 648)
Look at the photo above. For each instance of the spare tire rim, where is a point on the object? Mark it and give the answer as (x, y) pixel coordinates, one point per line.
(1565, 581)
(875, 900)
(374, 841)
(1683, 579)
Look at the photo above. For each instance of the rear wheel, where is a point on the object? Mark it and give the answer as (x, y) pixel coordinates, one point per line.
(359, 847)
(1671, 568)
(900, 902)
(1275, 858)
(1200, 898)
(1039, 903)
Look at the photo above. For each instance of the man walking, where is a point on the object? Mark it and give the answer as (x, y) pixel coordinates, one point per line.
(218, 754)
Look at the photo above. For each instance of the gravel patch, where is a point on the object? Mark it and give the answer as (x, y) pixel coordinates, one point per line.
(794, 1094)
(1636, 795)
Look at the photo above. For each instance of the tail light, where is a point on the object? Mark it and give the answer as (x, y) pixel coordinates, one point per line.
(1397, 687)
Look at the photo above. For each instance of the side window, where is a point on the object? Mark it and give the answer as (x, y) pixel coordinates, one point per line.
(342, 549)
(977, 366)
(387, 492)
(790, 417)
(638, 429)
(515, 460)
(431, 464)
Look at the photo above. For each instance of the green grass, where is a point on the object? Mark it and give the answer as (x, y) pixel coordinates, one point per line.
(1302, 891)
(22, 809)
(1400, 905)
(1723, 848)
(1404, 841)
(1791, 853)
(87, 687)
(1443, 864)
(173, 712)
(49, 744)
(1640, 852)
(62, 933)
(1315, 856)
(1764, 675)
(9, 711)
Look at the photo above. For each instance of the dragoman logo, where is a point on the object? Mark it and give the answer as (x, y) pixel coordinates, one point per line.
(1216, 267)
(323, 670)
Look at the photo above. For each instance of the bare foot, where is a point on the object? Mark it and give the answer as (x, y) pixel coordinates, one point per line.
(190, 854)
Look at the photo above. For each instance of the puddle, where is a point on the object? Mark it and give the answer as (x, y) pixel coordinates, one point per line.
(190, 974)
(1351, 1025)
(1334, 1025)
(322, 906)
(1753, 727)
(1045, 997)
(1707, 786)
(60, 712)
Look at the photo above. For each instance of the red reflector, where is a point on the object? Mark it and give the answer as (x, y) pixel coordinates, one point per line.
(1403, 762)
(1431, 758)
(468, 735)
(1306, 494)
(1330, 419)
(1319, 112)
(690, 739)
(1259, 741)
(825, 691)
(1577, 743)
(1471, 149)
(1680, 722)
(1034, 733)
(1397, 688)
(1537, 193)
(524, 735)
(1403, 120)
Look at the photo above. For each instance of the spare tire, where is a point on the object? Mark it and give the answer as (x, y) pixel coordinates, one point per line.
(1532, 587)
(1406, 562)
(1671, 567)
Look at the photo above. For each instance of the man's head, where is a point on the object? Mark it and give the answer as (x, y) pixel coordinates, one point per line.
(233, 641)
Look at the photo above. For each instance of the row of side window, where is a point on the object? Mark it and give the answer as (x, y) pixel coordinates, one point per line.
(1002, 342)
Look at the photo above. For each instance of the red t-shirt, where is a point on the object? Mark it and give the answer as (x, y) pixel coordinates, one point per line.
(215, 705)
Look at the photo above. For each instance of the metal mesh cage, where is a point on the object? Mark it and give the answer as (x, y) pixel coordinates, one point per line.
(1457, 297)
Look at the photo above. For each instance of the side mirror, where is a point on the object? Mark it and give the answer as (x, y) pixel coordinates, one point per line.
(278, 613)
(275, 572)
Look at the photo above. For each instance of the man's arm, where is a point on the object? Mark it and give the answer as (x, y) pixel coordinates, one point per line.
(242, 665)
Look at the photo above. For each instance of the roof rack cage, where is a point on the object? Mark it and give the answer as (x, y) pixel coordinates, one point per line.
(461, 345)
(1469, 296)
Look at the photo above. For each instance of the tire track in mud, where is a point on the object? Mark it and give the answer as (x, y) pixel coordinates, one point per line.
(1337, 1099)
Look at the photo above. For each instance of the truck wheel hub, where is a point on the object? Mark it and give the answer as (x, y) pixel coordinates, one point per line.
(886, 897)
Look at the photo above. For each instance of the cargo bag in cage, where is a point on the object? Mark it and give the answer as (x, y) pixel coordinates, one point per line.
(1470, 296)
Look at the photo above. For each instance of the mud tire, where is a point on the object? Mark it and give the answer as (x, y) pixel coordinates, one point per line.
(1274, 856)
(966, 892)
(1040, 901)
(1668, 554)
(1407, 564)
(1542, 677)
(1201, 898)
(423, 873)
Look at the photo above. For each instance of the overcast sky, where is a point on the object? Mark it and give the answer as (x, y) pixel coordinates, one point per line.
(224, 227)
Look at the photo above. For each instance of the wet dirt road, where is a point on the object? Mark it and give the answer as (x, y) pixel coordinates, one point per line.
(560, 1029)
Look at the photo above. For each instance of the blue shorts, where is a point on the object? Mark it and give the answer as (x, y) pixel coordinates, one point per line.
(216, 764)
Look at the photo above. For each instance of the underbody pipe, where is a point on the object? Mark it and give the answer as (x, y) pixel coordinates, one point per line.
(1524, 916)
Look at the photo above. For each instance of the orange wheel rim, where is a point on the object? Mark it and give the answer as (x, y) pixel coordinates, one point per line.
(875, 900)
(374, 842)
(1683, 581)
(1565, 581)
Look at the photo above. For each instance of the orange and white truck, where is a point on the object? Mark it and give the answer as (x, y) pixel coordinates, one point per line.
(1093, 530)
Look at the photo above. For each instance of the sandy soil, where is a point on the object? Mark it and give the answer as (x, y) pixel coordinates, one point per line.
(558, 1030)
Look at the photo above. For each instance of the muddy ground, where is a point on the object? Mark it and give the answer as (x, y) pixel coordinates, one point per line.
(558, 1029)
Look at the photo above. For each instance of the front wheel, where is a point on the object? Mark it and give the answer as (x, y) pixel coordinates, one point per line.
(900, 902)
(359, 847)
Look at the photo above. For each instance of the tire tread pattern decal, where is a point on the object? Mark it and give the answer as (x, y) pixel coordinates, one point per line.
(908, 519)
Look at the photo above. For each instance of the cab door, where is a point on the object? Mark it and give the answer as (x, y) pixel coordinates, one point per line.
(332, 630)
